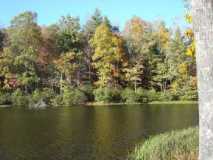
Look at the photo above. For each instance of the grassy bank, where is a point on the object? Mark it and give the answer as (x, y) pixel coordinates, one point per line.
(127, 104)
(155, 102)
(109, 104)
(174, 102)
(176, 145)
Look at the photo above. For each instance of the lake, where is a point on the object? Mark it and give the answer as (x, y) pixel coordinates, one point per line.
(86, 133)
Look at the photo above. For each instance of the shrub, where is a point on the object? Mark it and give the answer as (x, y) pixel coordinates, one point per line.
(107, 95)
(152, 95)
(175, 95)
(45, 94)
(19, 99)
(57, 101)
(165, 96)
(73, 96)
(181, 145)
(142, 94)
(190, 95)
(88, 91)
(5, 98)
(130, 96)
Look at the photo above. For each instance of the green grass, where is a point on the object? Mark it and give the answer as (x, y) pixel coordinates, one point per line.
(174, 102)
(154, 102)
(176, 145)
(109, 104)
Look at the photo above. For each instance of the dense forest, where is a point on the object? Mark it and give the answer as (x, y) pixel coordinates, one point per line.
(68, 63)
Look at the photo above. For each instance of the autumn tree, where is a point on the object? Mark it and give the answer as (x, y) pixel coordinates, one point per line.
(176, 59)
(24, 42)
(139, 44)
(134, 32)
(88, 32)
(108, 56)
(182, 47)
(68, 66)
(49, 52)
(160, 74)
(133, 74)
(145, 56)
(50, 35)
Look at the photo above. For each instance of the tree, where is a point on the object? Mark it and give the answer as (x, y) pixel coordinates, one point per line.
(88, 32)
(50, 35)
(7, 68)
(69, 35)
(140, 43)
(161, 77)
(95, 20)
(108, 55)
(179, 64)
(2, 36)
(134, 32)
(24, 33)
(24, 43)
(202, 17)
(144, 55)
(68, 65)
(176, 53)
(133, 74)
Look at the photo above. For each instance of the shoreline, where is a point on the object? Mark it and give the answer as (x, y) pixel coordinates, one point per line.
(126, 104)
(174, 102)
(5, 105)
(150, 103)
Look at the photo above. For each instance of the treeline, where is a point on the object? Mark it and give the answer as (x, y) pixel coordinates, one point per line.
(66, 63)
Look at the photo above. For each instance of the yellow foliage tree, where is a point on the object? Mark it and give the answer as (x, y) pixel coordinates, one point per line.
(108, 55)
(190, 36)
(67, 65)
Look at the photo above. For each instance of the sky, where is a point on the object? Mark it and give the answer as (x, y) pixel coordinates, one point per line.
(118, 11)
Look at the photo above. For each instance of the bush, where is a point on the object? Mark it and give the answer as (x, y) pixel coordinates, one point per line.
(130, 96)
(73, 96)
(107, 95)
(175, 95)
(19, 99)
(181, 145)
(143, 96)
(5, 98)
(189, 95)
(57, 101)
(88, 91)
(45, 94)
(165, 96)
(152, 95)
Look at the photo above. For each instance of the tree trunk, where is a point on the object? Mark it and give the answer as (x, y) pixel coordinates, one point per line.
(202, 13)
(90, 73)
(61, 85)
(135, 86)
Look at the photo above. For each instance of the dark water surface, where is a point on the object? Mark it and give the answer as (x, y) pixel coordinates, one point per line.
(86, 133)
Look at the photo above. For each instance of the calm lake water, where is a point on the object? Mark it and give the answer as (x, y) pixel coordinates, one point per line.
(86, 133)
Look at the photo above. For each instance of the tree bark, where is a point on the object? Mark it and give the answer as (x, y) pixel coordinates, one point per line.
(202, 15)
(135, 85)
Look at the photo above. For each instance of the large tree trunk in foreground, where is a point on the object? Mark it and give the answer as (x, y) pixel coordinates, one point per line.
(202, 13)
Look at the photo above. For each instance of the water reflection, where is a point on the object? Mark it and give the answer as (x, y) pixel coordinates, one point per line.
(86, 133)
